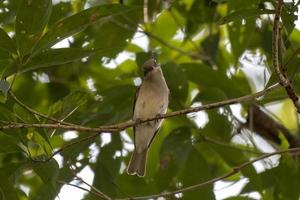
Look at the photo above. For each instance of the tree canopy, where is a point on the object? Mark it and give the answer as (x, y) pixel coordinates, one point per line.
(69, 71)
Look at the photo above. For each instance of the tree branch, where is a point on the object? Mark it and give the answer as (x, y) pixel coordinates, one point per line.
(123, 126)
(82, 188)
(277, 55)
(268, 128)
(234, 171)
(204, 138)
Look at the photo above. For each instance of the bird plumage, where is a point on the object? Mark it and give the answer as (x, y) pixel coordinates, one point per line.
(151, 100)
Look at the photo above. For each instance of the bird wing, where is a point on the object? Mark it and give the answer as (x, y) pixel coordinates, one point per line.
(133, 108)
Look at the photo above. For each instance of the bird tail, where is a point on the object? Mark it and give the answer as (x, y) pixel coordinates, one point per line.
(137, 163)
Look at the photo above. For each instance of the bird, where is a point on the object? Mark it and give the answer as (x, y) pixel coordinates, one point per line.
(151, 100)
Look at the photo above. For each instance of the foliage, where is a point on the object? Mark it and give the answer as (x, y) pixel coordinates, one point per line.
(54, 57)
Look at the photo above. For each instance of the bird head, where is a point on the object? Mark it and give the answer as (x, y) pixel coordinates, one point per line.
(149, 66)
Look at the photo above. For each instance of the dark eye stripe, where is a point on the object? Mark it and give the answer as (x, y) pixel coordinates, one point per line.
(147, 70)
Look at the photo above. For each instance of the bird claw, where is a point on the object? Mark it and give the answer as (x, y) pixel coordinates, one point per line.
(137, 121)
(158, 116)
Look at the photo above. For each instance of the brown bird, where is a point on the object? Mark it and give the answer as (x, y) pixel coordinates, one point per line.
(151, 100)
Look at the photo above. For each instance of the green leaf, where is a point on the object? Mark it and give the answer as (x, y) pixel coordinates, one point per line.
(289, 17)
(46, 191)
(287, 173)
(239, 198)
(107, 168)
(218, 127)
(68, 104)
(177, 82)
(6, 114)
(7, 190)
(164, 20)
(196, 170)
(209, 95)
(48, 171)
(8, 144)
(173, 153)
(31, 20)
(59, 11)
(244, 14)
(54, 57)
(206, 77)
(117, 32)
(6, 43)
(241, 35)
(80, 21)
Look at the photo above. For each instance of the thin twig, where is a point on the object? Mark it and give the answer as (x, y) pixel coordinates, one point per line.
(81, 188)
(221, 143)
(123, 126)
(36, 112)
(89, 185)
(161, 41)
(179, 50)
(277, 55)
(234, 171)
(64, 147)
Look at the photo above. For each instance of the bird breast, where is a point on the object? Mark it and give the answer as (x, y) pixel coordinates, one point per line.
(152, 99)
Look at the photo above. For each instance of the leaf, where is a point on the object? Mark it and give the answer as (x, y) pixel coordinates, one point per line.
(244, 14)
(209, 95)
(6, 114)
(219, 1)
(48, 171)
(53, 57)
(287, 174)
(80, 21)
(7, 190)
(165, 19)
(206, 77)
(177, 82)
(69, 104)
(289, 17)
(6, 66)
(107, 167)
(59, 11)
(8, 144)
(31, 20)
(196, 170)
(239, 198)
(46, 191)
(117, 31)
(173, 154)
(241, 35)
(6, 43)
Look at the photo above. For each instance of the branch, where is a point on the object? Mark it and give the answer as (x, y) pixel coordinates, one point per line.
(82, 188)
(66, 147)
(179, 50)
(198, 55)
(234, 171)
(221, 143)
(89, 185)
(277, 58)
(123, 126)
(268, 128)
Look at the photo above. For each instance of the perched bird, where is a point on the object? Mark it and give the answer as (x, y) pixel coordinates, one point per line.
(151, 100)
